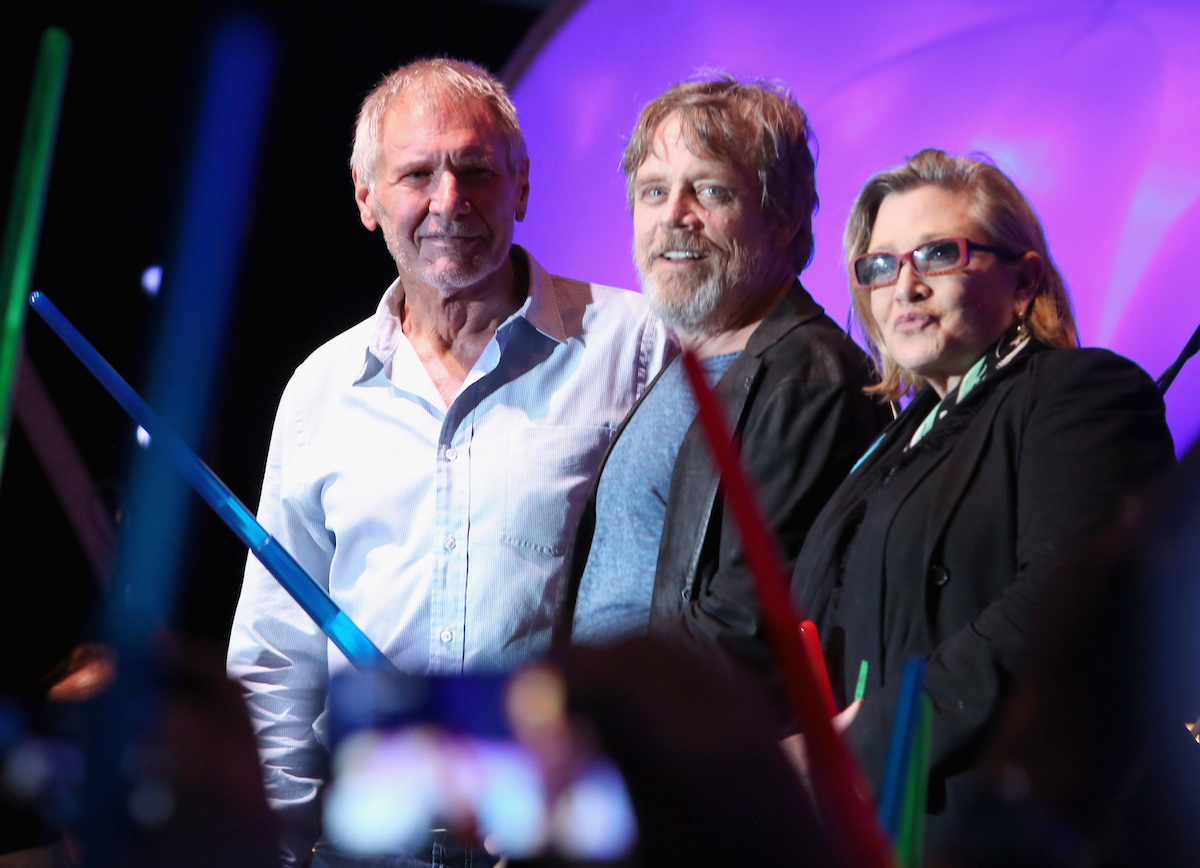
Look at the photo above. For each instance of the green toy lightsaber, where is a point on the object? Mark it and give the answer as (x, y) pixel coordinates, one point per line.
(25, 210)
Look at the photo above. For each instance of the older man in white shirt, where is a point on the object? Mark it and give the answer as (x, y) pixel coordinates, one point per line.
(428, 465)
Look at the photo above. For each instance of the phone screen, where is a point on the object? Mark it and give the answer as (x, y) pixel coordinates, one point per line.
(495, 759)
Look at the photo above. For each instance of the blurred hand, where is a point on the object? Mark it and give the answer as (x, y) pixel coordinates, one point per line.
(90, 670)
(794, 748)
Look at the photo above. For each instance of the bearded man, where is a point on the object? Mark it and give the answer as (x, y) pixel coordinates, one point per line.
(721, 185)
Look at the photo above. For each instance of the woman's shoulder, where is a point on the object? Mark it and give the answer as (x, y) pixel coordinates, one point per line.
(1067, 368)
(1096, 389)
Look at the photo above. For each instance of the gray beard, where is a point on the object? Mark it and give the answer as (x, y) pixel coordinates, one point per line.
(710, 304)
(695, 312)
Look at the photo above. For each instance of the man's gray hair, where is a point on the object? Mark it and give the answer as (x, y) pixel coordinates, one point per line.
(433, 81)
(758, 126)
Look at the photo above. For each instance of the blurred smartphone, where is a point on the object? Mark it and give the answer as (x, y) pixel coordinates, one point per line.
(494, 759)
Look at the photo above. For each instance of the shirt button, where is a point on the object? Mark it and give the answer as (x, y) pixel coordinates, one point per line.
(451, 454)
(446, 636)
(448, 543)
(939, 575)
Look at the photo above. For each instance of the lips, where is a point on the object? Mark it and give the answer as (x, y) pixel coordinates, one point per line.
(913, 321)
(447, 239)
(448, 233)
(680, 249)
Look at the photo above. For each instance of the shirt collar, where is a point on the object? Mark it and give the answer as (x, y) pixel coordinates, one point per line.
(540, 309)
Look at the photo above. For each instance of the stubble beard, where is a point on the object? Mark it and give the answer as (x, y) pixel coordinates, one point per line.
(709, 299)
(458, 274)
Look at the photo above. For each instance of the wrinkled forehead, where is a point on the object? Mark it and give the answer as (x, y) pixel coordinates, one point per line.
(701, 136)
(423, 119)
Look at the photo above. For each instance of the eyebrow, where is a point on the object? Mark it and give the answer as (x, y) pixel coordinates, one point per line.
(922, 240)
(470, 156)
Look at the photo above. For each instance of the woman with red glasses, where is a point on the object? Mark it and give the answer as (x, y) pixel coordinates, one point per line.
(1016, 448)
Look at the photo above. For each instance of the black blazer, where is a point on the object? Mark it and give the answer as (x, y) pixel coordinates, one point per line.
(1055, 450)
(795, 402)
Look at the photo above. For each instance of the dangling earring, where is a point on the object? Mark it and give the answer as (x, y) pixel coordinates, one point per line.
(1013, 340)
(1022, 326)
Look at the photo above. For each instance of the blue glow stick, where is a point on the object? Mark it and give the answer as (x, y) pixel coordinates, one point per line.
(312, 598)
(891, 799)
(910, 839)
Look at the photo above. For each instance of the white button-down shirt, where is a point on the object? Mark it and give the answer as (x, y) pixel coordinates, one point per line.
(440, 531)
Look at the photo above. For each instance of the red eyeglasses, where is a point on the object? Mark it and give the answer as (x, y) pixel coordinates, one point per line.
(940, 256)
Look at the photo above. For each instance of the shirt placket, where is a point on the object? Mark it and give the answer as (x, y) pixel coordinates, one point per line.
(452, 525)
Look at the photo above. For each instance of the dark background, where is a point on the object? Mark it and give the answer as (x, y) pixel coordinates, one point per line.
(308, 268)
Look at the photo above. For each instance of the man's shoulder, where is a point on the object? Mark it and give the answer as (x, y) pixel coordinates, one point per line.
(576, 296)
(571, 286)
(339, 359)
(818, 347)
(349, 345)
(573, 294)
(573, 309)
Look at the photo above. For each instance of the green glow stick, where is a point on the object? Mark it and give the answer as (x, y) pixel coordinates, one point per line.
(910, 838)
(25, 209)
(861, 687)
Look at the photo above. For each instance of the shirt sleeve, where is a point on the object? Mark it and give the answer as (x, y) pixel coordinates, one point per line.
(278, 655)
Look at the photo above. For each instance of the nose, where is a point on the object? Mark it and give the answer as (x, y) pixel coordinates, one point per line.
(448, 200)
(909, 285)
(680, 211)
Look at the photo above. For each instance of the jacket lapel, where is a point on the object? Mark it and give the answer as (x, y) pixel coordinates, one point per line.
(734, 389)
(963, 457)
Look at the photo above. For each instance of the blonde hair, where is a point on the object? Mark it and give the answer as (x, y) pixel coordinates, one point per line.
(1005, 217)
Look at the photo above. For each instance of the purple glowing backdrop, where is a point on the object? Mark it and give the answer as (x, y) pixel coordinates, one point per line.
(1092, 106)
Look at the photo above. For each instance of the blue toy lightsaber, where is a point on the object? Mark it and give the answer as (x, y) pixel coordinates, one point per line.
(905, 730)
(335, 623)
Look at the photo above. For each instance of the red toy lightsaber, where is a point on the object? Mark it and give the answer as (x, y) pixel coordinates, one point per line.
(816, 660)
(836, 778)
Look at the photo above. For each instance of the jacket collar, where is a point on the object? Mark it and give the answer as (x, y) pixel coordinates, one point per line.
(902, 428)
(794, 308)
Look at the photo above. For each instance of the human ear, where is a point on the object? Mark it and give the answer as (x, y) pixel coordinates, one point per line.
(1029, 278)
(522, 190)
(362, 193)
(783, 233)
